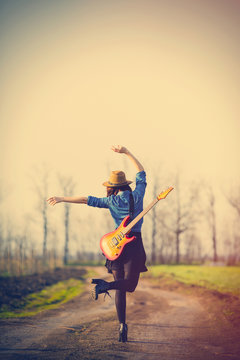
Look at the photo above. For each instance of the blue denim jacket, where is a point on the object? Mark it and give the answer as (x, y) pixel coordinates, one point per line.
(119, 204)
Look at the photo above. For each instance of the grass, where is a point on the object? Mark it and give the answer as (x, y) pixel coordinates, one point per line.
(225, 279)
(49, 298)
(91, 263)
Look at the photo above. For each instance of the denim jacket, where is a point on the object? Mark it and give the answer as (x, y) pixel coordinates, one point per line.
(119, 204)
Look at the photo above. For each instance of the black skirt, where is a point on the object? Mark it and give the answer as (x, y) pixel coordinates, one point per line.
(132, 258)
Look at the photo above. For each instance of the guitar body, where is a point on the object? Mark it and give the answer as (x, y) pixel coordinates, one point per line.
(112, 244)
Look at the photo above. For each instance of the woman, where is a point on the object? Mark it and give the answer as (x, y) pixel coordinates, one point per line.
(121, 201)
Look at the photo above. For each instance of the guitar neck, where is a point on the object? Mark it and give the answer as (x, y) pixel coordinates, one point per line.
(137, 218)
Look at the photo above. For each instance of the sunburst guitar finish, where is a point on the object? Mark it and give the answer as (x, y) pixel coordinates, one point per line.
(112, 244)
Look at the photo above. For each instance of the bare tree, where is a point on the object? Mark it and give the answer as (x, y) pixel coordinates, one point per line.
(2, 240)
(166, 249)
(8, 248)
(234, 200)
(181, 216)
(211, 219)
(193, 248)
(40, 180)
(67, 187)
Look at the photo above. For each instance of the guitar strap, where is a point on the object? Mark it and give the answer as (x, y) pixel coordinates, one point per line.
(131, 205)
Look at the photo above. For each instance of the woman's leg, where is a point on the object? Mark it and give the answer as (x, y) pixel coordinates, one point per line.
(120, 297)
(124, 282)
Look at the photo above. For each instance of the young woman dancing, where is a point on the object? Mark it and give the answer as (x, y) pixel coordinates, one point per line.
(121, 201)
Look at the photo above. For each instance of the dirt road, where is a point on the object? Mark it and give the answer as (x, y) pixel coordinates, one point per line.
(162, 325)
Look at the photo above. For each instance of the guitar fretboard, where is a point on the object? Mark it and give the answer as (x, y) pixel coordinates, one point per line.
(137, 218)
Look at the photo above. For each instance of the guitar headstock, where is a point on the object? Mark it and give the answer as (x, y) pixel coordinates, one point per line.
(163, 194)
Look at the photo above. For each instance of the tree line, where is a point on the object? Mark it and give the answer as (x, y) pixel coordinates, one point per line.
(177, 227)
(172, 232)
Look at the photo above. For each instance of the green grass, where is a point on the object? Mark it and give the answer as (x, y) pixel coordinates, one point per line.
(49, 298)
(225, 279)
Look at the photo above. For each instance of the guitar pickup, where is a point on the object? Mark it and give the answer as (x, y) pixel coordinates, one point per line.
(115, 241)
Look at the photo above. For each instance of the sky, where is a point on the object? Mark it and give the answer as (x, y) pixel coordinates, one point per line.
(159, 77)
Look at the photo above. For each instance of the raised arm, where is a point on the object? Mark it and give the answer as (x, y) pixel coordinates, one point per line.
(122, 150)
(75, 200)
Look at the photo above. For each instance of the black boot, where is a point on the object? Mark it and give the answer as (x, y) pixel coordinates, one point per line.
(101, 287)
(123, 330)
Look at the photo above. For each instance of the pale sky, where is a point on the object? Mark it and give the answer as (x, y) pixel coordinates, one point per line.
(161, 78)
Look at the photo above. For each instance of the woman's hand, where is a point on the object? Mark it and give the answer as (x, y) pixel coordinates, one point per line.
(54, 200)
(120, 149)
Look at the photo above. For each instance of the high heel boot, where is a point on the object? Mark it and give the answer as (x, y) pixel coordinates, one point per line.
(123, 330)
(101, 287)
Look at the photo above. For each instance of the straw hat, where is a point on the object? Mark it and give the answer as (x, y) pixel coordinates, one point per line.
(117, 178)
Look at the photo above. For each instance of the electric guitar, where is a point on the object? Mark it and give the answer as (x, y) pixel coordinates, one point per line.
(112, 244)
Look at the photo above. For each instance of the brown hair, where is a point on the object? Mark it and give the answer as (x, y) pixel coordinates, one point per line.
(115, 190)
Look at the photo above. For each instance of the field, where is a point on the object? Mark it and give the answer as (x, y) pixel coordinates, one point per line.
(223, 279)
(28, 295)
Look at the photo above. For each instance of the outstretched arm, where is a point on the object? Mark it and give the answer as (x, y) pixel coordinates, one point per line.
(122, 150)
(75, 200)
